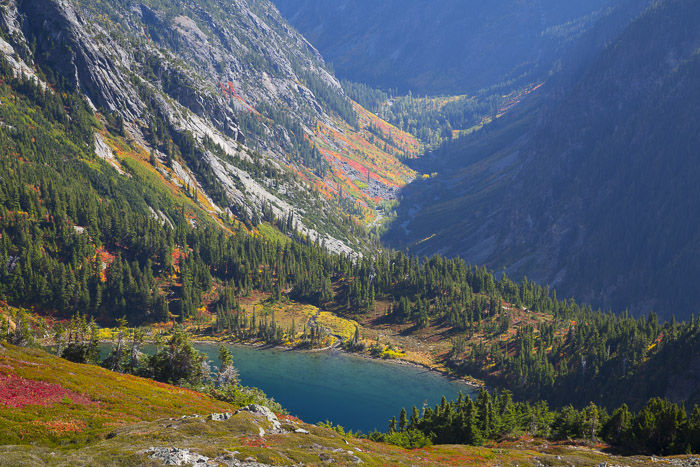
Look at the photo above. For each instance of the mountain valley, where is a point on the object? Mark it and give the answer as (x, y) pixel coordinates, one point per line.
(181, 174)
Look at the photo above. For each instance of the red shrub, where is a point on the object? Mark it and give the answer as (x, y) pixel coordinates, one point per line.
(19, 392)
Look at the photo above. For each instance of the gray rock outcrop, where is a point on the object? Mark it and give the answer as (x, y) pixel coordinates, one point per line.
(76, 54)
(176, 456)
(263, 411)
(200, 70)
(220, 417)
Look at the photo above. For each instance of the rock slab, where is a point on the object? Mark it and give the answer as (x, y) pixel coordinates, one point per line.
(265, 412)
(220, 417)
(175, 456)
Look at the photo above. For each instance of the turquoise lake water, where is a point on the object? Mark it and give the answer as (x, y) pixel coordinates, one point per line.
(357, 393)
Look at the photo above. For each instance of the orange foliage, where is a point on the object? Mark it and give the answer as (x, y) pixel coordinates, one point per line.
(369, 157)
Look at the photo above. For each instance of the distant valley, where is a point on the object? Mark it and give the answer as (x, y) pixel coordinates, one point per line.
(460, 47)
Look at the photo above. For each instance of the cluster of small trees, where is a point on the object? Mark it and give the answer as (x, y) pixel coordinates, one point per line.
(175, 361)
(660, 426)
(247, 327)
(16, 329)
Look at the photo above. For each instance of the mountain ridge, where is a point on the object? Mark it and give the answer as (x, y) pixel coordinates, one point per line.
(461, 47)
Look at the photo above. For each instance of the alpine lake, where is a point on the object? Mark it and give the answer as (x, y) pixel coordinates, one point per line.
(330, 385)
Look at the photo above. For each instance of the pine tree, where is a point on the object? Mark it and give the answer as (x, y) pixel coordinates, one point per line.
(415, 417)
(403, 422)
(392, 425)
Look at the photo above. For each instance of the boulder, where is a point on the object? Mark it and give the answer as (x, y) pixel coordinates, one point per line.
(175, 456)
(265, 412)
(220, 417)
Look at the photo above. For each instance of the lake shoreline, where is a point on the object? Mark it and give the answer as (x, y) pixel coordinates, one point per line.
(397, 361)
(317, 385)
(471, 383)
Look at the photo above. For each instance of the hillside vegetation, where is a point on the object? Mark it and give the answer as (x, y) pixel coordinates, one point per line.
(59, 413)
(80, 404)
(196, 169)
(80, 237)
(225, 101)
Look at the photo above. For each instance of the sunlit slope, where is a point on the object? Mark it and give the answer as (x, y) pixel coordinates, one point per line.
(53, 412)
(46, 400)
(368, 162)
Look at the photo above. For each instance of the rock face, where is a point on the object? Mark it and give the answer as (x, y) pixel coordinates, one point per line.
(220, 417)
(175, 456)
(75, 55)
(233, 75)
(189, 66)
(265, 412)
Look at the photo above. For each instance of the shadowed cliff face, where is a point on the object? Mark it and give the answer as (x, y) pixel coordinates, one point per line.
(451, 47)
(590, 188)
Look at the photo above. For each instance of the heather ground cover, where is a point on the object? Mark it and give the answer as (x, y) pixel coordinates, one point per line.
(49, 401)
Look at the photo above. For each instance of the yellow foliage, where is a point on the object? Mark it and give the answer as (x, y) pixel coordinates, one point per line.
(425, 239)
(340, 326)
(388, 353)
(106, 334)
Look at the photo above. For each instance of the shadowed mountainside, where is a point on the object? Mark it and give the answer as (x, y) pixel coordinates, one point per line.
(589, 185)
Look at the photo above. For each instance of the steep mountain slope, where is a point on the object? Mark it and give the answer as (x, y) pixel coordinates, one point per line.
(590, 188)
(120, 161)
(456, 47)
(225, 96)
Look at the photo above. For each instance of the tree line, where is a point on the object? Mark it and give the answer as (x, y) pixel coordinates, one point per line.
(659, 427)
